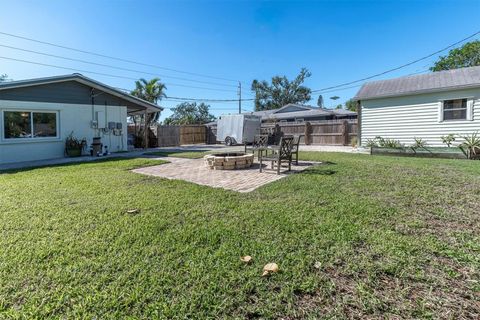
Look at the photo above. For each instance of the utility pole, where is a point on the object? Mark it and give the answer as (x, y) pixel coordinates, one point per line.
(239, 97)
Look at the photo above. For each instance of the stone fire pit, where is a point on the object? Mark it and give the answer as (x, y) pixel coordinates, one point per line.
(228, 161)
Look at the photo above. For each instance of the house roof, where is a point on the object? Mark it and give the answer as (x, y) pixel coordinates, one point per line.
(462, 78)
(145, 105)
(303, 111)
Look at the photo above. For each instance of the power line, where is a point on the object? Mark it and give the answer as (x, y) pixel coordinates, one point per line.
(107, 74)
(191, 99)
(114, 67)
(399, 67)
(208, 100)
(115, 58)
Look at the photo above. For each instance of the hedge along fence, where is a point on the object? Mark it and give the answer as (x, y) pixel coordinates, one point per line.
(327, 132)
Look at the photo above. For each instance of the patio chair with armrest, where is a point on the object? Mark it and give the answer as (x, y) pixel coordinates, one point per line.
(283, 153)
(295, 147)
(260, 144)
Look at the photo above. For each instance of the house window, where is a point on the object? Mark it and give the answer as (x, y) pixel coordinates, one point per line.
(455, 109)
(28, 124)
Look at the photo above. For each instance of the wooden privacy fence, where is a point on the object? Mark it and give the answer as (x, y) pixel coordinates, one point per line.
(328, 132)
(169, 136)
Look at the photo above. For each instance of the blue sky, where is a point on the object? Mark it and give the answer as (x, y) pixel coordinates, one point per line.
(338, 41)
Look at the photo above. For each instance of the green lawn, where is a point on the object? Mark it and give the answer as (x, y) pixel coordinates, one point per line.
(358, 237)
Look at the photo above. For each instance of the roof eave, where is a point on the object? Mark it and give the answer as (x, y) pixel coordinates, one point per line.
(418, 92)
(87, 81)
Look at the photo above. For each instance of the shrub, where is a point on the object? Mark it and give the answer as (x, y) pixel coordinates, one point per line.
(384, 143)
(419, 144)
(471, 146)
(448, 139)
(372, 143)
(354, 142)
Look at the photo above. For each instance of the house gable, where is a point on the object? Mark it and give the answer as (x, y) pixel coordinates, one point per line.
(292, 108)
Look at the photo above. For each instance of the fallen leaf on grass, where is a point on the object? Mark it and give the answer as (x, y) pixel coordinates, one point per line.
(269, 268)
(246, 259)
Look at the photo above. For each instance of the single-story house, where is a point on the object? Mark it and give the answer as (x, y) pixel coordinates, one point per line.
(426, 106)
(298, 113)
(37, 115)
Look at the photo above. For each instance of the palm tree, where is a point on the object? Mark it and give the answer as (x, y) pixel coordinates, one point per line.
(151, 91)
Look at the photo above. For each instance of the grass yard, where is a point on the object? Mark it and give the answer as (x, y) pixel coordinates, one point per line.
(358, 237)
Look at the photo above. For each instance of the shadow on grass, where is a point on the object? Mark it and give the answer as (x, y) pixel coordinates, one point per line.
(325, 172)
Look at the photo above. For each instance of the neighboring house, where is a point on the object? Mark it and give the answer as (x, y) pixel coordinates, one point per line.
(299, 113)
(37, 115)
(425, 106)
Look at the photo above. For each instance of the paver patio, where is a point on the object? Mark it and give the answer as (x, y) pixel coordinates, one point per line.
(242, 180)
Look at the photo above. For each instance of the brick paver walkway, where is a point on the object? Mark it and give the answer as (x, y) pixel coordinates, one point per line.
(194, 170)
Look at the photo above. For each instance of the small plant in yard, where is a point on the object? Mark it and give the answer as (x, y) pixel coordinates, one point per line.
(419, 144)
(372, 143)
(471, 146)
(354, 142)
(384, 143)
(74, 146)
(448, 139)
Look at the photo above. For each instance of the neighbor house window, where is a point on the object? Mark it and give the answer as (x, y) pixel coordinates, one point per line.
(455, 109)
(28, 124)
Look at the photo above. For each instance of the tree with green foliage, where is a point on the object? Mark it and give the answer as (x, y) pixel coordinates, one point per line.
(3, 77)
(190, 113)
(281, 91)
(466, 56)
(320, 101)
(151, 91)
(351, 105)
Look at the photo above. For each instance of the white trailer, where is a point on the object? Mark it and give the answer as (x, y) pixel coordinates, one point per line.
(238, 128)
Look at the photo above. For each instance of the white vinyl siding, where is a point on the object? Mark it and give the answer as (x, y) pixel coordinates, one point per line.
(421, 116)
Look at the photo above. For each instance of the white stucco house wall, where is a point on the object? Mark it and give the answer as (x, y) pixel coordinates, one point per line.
(37, 115)
(425, 106)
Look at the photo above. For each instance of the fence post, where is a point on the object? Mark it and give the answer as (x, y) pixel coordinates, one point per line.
(308, 131)
(345, 132)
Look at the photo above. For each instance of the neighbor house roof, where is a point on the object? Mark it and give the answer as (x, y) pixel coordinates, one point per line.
(303, 111)
(462, 78)
(150, 107)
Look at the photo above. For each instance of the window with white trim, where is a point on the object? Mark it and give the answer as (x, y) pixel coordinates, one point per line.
(30, 124)
(455, 109)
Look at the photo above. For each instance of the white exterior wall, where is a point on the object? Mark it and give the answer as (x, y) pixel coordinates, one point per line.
(71, 117)
(403, 118)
